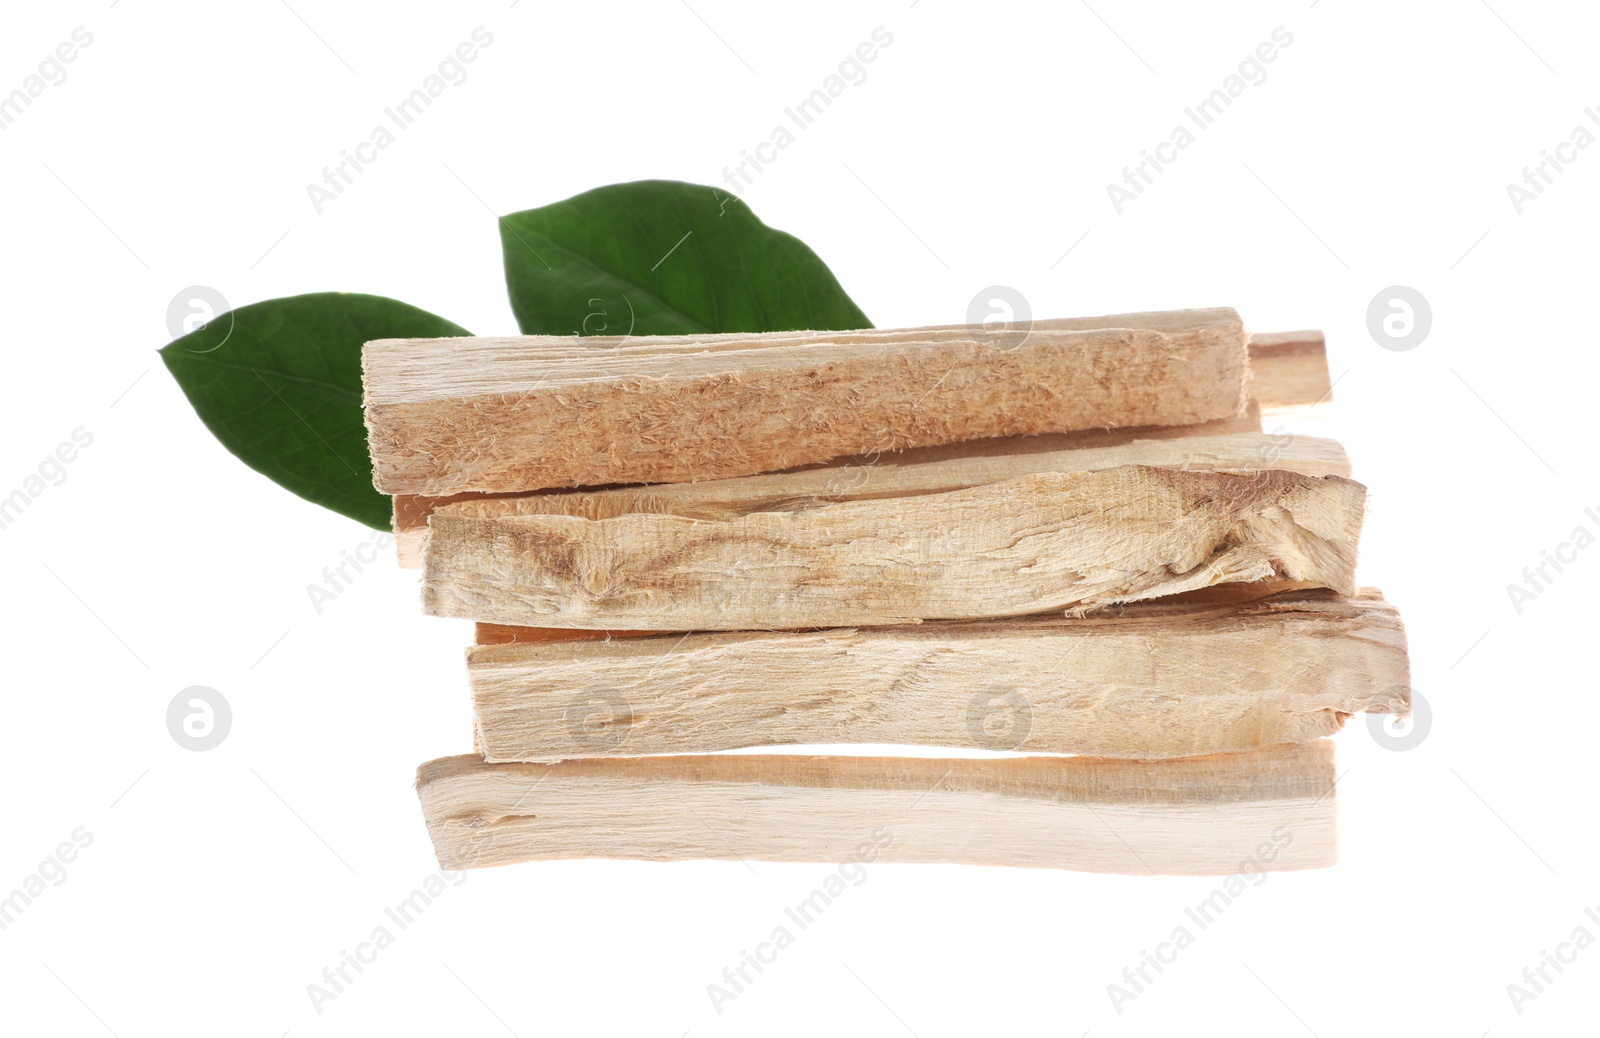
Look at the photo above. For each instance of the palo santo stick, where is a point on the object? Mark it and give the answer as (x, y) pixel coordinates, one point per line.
(1288, 372)
(499, 415)
(1212, 445)
(810, 488)
(892, 477)
(1209, 815)
(1036, 543)
(1149, 681)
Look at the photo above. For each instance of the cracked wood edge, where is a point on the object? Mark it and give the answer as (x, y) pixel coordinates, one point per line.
(794, 491)
(1212, 445)
(876, 478)
(1147, 681)
(1042, 542)
(1216, 595)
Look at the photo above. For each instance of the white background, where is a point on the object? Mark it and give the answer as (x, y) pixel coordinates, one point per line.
(219, 884)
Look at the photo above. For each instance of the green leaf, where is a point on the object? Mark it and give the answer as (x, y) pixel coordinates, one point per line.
(279, 384)
(659, 257)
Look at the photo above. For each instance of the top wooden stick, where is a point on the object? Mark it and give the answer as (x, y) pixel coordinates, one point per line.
(445, 416)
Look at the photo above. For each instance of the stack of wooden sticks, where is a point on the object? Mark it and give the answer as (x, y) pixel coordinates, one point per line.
(1070, 541)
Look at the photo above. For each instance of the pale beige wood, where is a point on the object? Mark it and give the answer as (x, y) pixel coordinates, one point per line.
(1041, 542)
(1247, 421)
(1269, 809)
(410, 522)
(1151, 680)
(1229, 443)
(497, 415)
(1220, 594)
(888, 478)
(506, 634)
(1288, 370)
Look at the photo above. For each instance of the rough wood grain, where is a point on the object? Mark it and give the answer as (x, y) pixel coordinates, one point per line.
(1150, 680)
(1288, 374)
(1216, 595)
(810, 488)
(1041, 542)
(1212, 445)
(1270, 809)
(499, 415)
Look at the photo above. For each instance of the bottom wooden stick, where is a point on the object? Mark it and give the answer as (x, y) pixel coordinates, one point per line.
(1269, 809)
